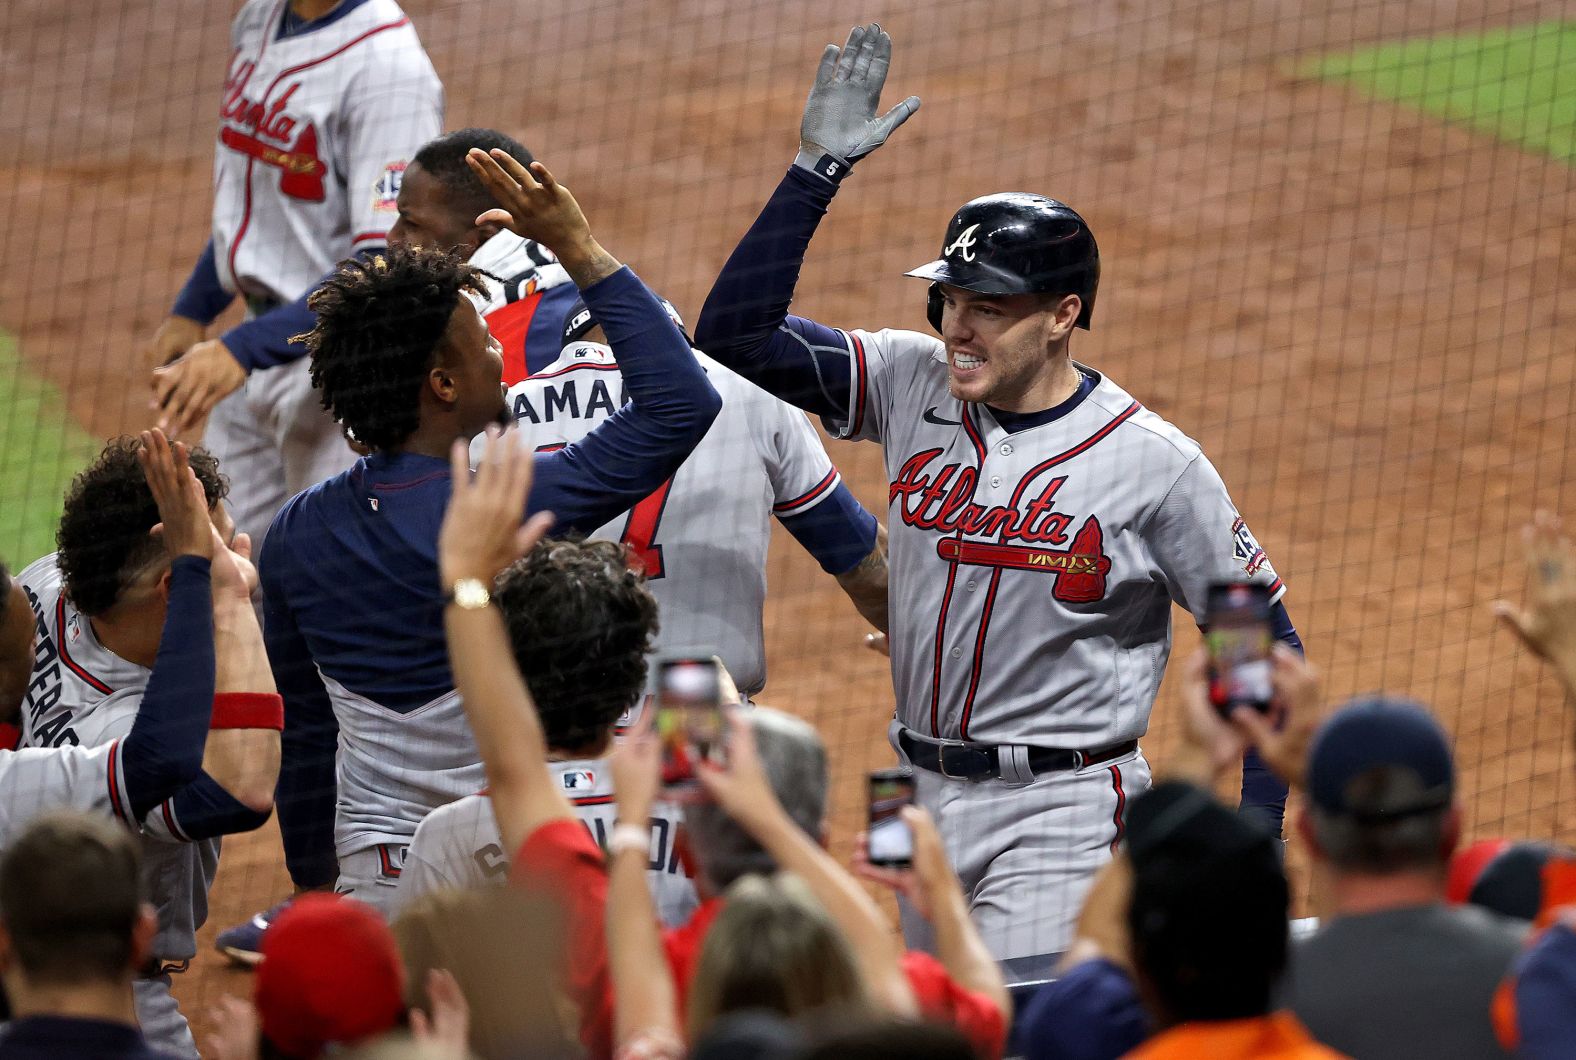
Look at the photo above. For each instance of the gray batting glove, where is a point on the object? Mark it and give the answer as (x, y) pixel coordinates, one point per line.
(840, 125)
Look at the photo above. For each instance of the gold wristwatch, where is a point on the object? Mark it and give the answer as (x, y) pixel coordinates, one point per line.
(470, 594)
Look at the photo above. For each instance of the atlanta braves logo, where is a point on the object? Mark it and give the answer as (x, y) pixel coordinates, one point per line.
(944, 502)
(964, 244)
(263, 131)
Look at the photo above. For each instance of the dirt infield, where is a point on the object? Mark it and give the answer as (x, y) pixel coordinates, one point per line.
(1353, 307)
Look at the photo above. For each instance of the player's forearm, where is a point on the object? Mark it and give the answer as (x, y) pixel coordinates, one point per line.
(846, 901)
(587, 263)
(866, 584)
(748, 304)
(164, 749)
(204, 809)
(642, 979)
(505, 723)
(961, 950)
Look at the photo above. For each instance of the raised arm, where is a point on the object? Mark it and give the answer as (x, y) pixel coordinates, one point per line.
(745, 322)
(482, 534)
(671, 404)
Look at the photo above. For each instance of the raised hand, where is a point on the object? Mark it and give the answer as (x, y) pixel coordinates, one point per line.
(534, 205)
(446, 1032)
(1547, 625)
(637, 770)
(840, 117)
(482, 531)
(184, 523)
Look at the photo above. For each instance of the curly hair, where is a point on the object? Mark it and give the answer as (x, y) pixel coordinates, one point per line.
(104, 538)
(380, 321)
(581, 623)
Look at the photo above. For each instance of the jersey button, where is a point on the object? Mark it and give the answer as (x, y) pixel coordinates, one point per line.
(970, 587)
(957, 653)
(995, 482)
(1006, 449)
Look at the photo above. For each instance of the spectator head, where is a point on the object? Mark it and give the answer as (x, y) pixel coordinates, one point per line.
(107, 551)
(399, 345)
(17, 635)
(773, 947)
(794, 759)
(330, 975)
(516, 1006)
(1208, 911)
(440, 198)
(1381, 791)
(71, 907)
(1467, 864)
(581, 623)
(1522, 880)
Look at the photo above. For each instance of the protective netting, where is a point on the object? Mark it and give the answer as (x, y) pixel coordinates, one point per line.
(1335, 238)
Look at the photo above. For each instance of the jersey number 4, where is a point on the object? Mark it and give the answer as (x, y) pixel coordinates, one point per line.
(640, 529)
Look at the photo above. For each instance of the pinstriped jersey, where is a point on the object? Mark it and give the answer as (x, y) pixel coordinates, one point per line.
(703, 536)
(458, 845)
(315, 131)
(1033, 572)
(82, 693)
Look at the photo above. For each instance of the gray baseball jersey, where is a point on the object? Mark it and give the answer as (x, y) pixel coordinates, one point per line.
(315, 132)
(1033, 571)
(458, 845)
(702, 537)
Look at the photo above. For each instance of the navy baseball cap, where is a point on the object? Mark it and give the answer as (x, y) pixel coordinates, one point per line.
(579, 321)
(1372, 733)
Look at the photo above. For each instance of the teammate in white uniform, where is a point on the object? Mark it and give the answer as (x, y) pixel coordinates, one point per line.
(581, 624)
(1042, 521)
(760, 459)
(324, 105)
(83, 692)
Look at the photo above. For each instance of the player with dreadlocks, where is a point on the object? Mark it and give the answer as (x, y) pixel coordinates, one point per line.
(407, 366)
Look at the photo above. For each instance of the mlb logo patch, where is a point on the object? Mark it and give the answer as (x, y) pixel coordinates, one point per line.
(385, 193)
(579, 780)
(1246, 548)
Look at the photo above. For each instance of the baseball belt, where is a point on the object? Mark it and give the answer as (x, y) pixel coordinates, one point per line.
(979, 761)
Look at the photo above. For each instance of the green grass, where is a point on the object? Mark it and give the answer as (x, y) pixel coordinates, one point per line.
(1517, 83)
(41, 447)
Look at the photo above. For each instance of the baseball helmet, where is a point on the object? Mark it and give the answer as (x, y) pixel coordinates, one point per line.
(1016, 243)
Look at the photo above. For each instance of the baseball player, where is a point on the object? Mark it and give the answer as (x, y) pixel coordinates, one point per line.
(527, 294)
(377, 737)
(760, 459)
(324, 104)
(134, 660)
(1042, 521)
(581, 623)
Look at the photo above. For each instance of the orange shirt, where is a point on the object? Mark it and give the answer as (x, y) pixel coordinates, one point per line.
(1278, 1036)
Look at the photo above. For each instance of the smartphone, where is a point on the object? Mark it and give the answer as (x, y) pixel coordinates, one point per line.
(689, 720)
(890, 839)
(1239, 640)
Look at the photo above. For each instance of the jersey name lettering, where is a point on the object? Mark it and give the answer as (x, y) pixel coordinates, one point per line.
(563, 399)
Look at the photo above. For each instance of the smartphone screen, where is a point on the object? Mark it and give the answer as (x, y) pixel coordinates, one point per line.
(1239, 642)
(891, 841)
(689, 720)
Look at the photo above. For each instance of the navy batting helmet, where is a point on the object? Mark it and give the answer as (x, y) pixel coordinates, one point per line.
(1016, 243)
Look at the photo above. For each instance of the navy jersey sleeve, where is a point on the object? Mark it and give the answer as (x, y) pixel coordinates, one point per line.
(203, 810)
(307, 788)
(163, 751)
(203, 297)
(745, 322)
(838, 532)
(264, 341)
(1263, 793)
(671, 406)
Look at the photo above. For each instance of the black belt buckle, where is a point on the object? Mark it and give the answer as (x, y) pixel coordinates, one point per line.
(966, 762)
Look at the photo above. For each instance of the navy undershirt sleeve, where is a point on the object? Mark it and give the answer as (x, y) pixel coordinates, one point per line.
(264, 341)
(308, 786)
(163, 751)
(1263, 793)
(203, 297)
(203, 809)
(838, 532)
(671, 406)
(745, 323)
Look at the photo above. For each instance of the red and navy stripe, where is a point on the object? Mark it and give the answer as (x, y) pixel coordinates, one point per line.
(65, 653)
(856, 419)
(815, 493)
(1119, 817)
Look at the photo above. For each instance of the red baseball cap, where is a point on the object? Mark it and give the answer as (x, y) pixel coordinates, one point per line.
(331, 972)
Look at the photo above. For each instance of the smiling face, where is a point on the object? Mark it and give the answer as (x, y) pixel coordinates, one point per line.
(1006, 351)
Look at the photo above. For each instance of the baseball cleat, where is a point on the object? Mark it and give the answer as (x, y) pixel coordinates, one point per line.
(243, 943)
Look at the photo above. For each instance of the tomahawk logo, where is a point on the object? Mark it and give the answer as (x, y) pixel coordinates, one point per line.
(964, 244)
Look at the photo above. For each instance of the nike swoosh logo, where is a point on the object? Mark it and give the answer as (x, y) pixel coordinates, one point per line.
(940, 421)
